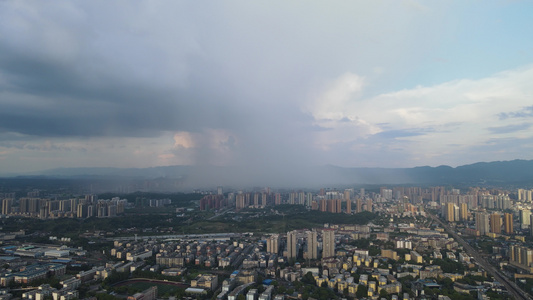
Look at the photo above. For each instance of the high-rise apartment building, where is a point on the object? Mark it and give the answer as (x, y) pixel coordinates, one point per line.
(328, 242)
(449, 212)
(334, 205)
(348, 199)
(301, 198)
(74, 205)
(64, 205)
(312, 245)
(525, 195)
(292, 197)
(508, 223)
(531, 225)
(521, 255)
(347, 193)
(263, 199)
(6, 206)
(314, 205)
(247, 199)
(256, 200)
(91, 210)
(292, 245)
(82, 210)
(273, 244)
(463, 212)
(496, 223)
(29, 205)
(348, 206)
(482, 223)
(323, 205)
(369, 205)
(240, 202)
(386, 193)
(277, 199)
(525, 218)
(359, 205)
(43, 212)
(308, 199)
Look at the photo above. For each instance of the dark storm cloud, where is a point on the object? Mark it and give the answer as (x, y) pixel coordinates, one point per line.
(68, 77)
(117, 82)
(42, 98)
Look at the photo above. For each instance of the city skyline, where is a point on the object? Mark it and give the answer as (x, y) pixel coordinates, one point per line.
(265, 87)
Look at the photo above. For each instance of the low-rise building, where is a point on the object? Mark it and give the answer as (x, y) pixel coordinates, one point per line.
(206, 281)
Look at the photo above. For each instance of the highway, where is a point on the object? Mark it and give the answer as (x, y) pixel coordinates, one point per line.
(511, 286)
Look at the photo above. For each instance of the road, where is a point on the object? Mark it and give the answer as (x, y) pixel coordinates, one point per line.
(218, 214)
(513, 289)
(206, 236)
(164, 282)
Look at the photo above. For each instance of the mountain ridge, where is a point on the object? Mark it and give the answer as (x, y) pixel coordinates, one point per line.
(517, 170)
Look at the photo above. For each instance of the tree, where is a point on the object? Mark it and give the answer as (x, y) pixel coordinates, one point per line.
(383, 293)
(362, 291)
(447, 283)
(282, 289)
(103, 296)
(260, 279)
(373, 251)
(308, 278)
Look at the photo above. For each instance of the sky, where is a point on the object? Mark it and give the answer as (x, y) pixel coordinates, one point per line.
(264, 85)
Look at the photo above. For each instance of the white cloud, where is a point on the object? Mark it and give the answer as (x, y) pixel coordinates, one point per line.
(334, 109)
(332, 103)
(448, 118)
(183, 140)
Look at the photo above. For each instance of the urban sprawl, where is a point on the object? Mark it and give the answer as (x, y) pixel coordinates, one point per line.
(384, 243)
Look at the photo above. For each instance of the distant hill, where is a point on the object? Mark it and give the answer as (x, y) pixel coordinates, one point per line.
(493, 172)
(499, 172)
(141, 173)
